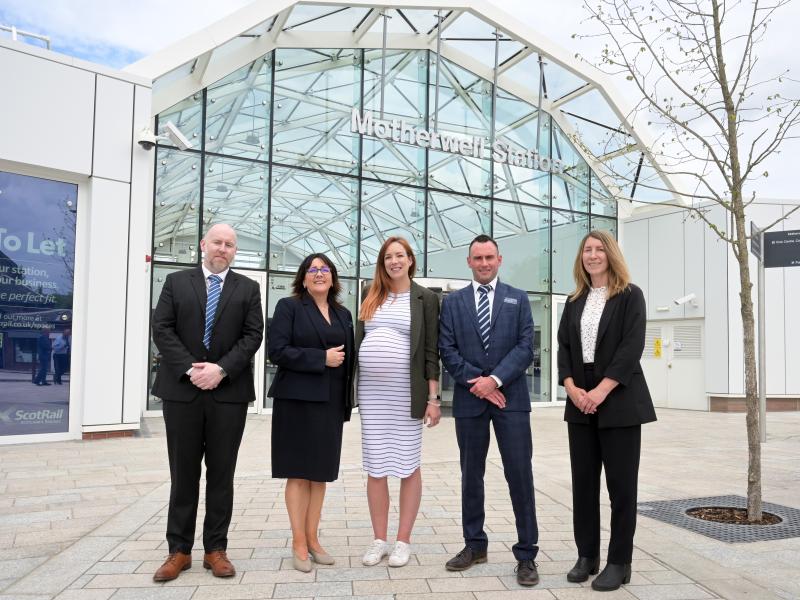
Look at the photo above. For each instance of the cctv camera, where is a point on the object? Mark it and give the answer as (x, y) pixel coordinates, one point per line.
(684, 299)
(176, 137)
(147, 139)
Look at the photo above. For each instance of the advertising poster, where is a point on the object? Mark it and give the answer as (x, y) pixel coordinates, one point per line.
(37, 260)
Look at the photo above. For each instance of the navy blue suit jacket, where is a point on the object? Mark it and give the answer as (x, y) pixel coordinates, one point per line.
(510, 347)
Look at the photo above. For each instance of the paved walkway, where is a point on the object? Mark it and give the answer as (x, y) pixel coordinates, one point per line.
(85, 520)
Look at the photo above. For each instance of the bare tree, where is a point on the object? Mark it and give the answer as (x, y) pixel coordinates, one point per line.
(718, 117)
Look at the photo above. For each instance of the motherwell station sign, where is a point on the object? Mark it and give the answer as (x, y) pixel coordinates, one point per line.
(398, 130)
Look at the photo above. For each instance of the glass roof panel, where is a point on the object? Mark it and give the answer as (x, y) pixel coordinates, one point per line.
(475, 38)
(309, 17)
(649, 185)
(594, 107)
(557, 81)
(395, 24)
(261, 28)
(170, 77)
(422, 20)
(595, 138)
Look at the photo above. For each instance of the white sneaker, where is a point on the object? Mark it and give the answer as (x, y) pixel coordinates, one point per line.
(400, 554)
(375, 553)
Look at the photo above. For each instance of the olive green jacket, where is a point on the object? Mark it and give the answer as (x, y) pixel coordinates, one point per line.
(424, 345)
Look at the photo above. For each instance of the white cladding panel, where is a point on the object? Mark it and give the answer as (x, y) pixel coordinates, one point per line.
(106, 305)
(136, 341)
(716, 307)
(792, 315)
(665, 264)
(113, 129)
(694, 230)
(775, 307)
(634, 247)
(46, 113)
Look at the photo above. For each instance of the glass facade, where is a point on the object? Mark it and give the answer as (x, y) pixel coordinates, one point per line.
(276, 157)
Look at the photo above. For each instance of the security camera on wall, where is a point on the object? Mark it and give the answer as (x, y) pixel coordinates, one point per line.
(686, 299)
(147, 139)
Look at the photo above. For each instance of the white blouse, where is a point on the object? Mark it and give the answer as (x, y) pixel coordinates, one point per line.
(590, 321)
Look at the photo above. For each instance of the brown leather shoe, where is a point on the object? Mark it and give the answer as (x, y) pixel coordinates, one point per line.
(172, 567)
(219, 564)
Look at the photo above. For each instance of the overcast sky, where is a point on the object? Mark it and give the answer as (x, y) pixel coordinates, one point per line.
(116, 33)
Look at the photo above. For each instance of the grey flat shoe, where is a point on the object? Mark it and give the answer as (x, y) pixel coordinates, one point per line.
(301, 564)
(321, 558)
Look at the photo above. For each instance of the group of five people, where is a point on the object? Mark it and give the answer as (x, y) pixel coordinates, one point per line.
(208, 325)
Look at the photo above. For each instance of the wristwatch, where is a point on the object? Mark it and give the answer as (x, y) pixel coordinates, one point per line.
(436, 397)
(222, 372)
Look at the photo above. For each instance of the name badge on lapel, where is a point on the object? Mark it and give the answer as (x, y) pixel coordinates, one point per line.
(510, 300)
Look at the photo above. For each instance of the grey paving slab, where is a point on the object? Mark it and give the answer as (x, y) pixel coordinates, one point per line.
(670, 592)
(85, 595)
(121, 487)
(176, 593)
(57, 573)
(329, 588)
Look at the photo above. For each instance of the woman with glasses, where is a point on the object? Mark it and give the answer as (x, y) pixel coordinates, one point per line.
(310, 339)
(600, 343)
(398, 382)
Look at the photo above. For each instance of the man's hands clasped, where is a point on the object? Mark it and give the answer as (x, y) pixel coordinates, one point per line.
(486, 389)
(205, 375)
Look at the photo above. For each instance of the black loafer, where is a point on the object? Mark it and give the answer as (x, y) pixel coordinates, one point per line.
(612, 577)
(465, 559)
(583, 568)
(527, 573)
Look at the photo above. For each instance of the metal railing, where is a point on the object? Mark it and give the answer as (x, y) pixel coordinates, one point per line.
(18, 33)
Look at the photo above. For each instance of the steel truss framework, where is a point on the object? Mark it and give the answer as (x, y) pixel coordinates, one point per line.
(288, 113)
(266, 98)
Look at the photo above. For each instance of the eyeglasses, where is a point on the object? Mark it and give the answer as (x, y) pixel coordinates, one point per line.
(315, 270)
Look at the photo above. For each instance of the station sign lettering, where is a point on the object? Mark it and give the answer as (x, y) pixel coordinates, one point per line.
(398, 130)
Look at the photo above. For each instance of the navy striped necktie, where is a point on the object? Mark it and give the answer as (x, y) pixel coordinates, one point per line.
(484, 316)
(214, 289)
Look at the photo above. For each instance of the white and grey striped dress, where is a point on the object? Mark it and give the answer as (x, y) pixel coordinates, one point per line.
(391, 441)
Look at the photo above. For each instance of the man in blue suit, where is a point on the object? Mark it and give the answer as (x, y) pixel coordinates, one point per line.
(486, 344)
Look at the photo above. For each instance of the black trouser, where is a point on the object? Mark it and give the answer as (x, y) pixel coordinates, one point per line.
(197, 429)
(617, 451)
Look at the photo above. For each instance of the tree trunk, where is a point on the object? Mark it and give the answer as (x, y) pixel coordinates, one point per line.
(750, 374)
(746, 287)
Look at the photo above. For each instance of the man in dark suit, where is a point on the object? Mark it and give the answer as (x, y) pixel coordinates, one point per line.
(207, 325)
(486, 344)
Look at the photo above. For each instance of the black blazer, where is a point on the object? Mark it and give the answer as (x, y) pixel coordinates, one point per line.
(178, 327)
(620, 343)
(424, 344)
(296, 345)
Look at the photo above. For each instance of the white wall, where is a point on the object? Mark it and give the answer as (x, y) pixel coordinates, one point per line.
(670, 255)
(69, 120)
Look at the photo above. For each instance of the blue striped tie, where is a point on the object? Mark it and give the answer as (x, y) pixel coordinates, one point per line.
(484, 316)
(214, 289)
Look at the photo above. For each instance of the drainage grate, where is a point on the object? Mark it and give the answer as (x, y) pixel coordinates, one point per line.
(674, 513)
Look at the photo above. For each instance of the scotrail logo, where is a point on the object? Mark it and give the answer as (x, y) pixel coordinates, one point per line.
(28, 417)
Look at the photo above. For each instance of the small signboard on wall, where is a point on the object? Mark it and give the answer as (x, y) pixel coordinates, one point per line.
(782, 248)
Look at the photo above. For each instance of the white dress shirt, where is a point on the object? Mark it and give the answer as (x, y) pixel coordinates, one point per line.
(590, 321)
(207, 273)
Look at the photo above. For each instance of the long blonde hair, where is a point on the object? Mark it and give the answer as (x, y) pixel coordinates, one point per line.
(618, 275)
(381, 283)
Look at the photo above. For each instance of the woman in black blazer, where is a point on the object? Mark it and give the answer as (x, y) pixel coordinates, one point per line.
(310, 339)
(600, 343)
